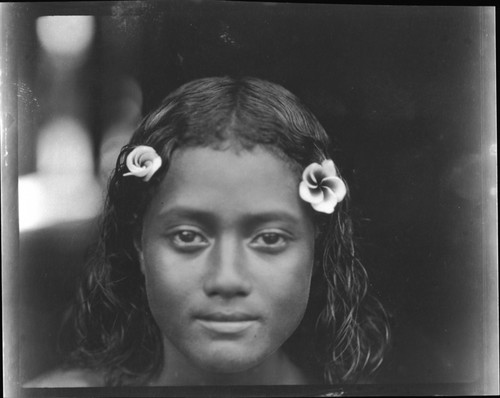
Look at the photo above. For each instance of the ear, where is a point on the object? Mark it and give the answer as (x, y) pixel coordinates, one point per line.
(140, 254)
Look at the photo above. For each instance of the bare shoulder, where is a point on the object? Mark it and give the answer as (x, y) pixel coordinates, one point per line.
(67, 378)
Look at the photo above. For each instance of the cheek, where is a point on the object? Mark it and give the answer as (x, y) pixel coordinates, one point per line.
(168, 297)
(291, 294)
(167, 286)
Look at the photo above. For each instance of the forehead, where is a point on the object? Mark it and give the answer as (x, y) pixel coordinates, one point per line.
(229, 181)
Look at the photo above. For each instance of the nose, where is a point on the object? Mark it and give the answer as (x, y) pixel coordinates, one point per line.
(227, 274)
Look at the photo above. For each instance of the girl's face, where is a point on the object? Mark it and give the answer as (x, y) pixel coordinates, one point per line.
(227, 252)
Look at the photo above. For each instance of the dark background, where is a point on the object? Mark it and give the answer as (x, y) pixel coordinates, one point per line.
(401, 90)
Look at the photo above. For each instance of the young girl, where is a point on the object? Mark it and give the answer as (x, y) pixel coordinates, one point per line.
(226, 253)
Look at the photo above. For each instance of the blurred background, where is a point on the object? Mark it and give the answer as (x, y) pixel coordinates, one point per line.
(400, 89)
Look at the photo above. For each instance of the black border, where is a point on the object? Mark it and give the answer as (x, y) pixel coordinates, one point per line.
(488, 384)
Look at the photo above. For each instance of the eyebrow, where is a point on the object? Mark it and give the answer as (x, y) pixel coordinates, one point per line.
(207, 217)
(269, 216)
(188, 213)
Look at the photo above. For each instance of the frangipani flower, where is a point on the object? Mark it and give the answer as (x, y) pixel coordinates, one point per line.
(143, 162)
(321, 187)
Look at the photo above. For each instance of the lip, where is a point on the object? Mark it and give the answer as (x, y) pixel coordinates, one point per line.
(226, 323)
(226, 327)
(227, 317)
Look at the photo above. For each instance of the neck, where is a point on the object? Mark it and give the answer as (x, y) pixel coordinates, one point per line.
(277, 369)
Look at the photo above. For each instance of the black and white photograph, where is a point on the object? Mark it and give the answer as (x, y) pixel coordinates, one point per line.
(235, 198)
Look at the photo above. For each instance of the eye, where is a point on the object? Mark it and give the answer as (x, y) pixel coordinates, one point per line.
(270, 241)
(188, 240)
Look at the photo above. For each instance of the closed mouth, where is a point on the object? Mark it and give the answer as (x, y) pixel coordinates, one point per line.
(227, 317)
(226, 327)
(226, 323)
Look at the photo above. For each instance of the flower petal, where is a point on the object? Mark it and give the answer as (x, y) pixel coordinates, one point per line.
(153, 166)
(136, 171)
(321, 187)
(330, 196)
(143, 161)
(328, 204)
(309, 174)
(336, 185)
(329, 168)
(310, 195)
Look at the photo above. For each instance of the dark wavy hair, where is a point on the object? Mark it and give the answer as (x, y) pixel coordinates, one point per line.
(344, 332)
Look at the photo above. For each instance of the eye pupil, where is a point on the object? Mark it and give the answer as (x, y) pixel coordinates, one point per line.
(270, 239)
(187, 236)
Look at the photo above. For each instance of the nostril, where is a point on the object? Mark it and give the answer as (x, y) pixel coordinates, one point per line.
(227, 280)
(227, 271)
(227, 285)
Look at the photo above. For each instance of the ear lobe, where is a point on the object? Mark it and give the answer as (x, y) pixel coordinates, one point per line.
(141, 263)
(140, 255)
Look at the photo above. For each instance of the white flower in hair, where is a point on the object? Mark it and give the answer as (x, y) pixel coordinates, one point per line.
(321, 187)
(143, 161)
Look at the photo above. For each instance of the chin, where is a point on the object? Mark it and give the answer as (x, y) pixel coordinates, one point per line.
(227, 362)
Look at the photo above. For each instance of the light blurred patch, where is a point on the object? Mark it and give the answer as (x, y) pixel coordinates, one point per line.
(64, 146)
(64, 187)
(65, 35)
